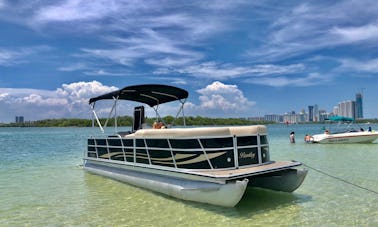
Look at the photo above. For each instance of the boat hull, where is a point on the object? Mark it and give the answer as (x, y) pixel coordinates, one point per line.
(348, 137)
(220, 191)
(227, 195)
(286, 180)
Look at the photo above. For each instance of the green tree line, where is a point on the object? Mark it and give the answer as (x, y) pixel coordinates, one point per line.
(128, 121)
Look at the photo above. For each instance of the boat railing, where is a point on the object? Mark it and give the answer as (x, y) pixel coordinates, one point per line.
(216, 152)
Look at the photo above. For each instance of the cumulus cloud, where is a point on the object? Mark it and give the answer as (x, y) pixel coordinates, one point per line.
(220, 98)
(83, 90)
(71, 100)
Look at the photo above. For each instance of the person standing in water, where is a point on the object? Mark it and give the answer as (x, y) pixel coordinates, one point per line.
(292, 137)
(307, 138)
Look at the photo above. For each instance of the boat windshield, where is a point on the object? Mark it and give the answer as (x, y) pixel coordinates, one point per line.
(341, 124)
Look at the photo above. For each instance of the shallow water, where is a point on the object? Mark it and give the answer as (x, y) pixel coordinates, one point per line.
(42, 183)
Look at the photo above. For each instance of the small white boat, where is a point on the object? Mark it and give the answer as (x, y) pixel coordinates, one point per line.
(211, 165)
(347, 135)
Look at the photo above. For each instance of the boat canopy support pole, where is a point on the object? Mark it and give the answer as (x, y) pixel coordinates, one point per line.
(115, 115)
(157, 114)
(111, 112)
(96, 117)
(181, 110)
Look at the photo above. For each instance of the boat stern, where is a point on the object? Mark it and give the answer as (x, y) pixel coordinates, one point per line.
(287, 180)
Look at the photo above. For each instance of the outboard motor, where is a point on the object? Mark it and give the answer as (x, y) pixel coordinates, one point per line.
(138, 118)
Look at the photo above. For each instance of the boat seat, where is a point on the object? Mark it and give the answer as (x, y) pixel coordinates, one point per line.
(196, 132)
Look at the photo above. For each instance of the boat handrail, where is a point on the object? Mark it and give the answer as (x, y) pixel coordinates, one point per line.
(109, 143)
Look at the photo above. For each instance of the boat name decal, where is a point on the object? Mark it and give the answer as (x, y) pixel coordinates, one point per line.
(247, 155)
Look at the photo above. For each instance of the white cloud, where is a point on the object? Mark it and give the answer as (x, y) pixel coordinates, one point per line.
(155, 47)
(367, 66)
(73, 67)
(313, 26)
(82, 91)
(169, 62)
(10, 57)
(102, 72)
(23, 92)
(38, 100)
(311, 79)
(120, 55)
(132, 15)
(356, 34)
(215, 70)
(71, 100)
(76, 10)
(222, 98)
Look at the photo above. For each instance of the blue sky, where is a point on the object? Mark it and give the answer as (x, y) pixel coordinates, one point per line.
(236, 58)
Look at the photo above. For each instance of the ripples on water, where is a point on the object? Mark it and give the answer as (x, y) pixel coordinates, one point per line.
(42, 183)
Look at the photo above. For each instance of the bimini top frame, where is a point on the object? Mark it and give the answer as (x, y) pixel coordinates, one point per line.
(150, 94)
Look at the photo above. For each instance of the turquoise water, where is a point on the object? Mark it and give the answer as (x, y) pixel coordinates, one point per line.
(42, 183)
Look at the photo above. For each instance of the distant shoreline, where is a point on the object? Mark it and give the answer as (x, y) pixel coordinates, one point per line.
(127, 121)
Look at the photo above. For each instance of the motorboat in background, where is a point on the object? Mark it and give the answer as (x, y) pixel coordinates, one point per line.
(346, 131)
(211, 165)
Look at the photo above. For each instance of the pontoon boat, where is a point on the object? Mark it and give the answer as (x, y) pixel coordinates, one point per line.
(211, 165)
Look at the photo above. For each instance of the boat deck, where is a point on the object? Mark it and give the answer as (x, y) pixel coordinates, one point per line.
(248, 171)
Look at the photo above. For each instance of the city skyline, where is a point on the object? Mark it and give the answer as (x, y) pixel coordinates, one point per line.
(347, 108)
(314, 114)
(236, 58)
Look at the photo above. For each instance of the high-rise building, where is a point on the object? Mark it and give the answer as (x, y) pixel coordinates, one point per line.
(19, 119)
(359, 109)
(336, 111)
(316, 113)
(347, 109)
(291, 118)
(310, 113)
(323, 115)
(302, 116)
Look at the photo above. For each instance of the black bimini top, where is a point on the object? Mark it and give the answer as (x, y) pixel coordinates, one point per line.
(150, 94)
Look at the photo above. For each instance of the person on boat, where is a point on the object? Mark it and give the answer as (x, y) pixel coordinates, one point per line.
(307, 138)
(326, 131)
(292, 137)
(369, 129)
(158, 125)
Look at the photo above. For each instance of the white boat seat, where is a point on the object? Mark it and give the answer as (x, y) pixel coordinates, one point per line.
(198, 132)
